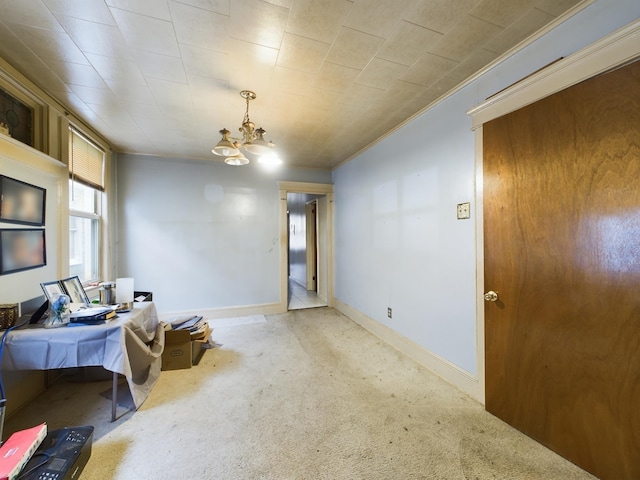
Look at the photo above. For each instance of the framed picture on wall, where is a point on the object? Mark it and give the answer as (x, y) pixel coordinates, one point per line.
(21, 249)
(21, 202)
(17, 118)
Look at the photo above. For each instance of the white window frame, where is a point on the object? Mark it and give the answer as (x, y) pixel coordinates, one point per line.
(101, 206)
(97, 215)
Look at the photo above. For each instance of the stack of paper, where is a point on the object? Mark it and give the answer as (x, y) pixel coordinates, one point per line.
(196, 325)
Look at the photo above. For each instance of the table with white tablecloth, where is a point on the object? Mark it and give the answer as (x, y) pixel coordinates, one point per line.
(129, 345)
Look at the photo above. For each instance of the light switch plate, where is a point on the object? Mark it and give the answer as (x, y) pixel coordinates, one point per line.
(464, 210)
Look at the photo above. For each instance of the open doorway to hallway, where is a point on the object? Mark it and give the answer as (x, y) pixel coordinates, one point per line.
(307, 250)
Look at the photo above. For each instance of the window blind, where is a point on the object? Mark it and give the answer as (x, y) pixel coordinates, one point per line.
(86, 162)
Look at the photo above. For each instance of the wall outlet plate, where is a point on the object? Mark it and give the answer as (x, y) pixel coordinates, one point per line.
(464, 211)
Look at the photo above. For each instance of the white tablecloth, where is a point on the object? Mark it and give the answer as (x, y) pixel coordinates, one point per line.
(131, 345)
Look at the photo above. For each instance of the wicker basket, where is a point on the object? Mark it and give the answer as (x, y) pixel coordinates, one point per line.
(8, 315)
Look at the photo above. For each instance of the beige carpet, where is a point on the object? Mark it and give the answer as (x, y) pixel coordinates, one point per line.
(303, 395)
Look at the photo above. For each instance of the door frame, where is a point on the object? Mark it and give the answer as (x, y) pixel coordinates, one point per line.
(308, 188)
(311, 219)
(611, 51)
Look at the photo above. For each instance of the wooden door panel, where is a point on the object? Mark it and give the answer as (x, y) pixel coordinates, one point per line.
(562, 249)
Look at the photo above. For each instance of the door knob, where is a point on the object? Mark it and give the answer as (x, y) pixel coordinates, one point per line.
(491, 296)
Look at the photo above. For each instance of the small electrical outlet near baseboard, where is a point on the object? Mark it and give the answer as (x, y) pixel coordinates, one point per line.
(389, 313)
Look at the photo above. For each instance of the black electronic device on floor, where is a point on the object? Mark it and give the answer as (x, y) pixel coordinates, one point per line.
(61, 456)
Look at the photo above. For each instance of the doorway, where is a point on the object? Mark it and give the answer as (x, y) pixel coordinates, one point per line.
(306, 250)
(306, 271)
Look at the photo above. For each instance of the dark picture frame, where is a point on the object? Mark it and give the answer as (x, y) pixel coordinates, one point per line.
(52, 289)
(22, 249)
(18, 117)
(21, 202)
(73, 287)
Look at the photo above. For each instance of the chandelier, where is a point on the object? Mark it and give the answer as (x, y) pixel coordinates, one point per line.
(252, 141)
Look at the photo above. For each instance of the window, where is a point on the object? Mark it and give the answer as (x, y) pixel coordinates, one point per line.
(86, 189)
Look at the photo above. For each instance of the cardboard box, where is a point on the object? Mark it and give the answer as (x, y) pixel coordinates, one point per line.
(180, 351)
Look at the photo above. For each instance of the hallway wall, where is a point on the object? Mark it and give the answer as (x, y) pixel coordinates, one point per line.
(398, 242)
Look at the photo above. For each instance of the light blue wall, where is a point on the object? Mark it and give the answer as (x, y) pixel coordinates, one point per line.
(201, 235)
(397, 240)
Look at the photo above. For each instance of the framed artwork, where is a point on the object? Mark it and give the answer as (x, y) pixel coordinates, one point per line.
(21, 249)
(51, 289)
(17, 118)
(21, 202)
(73, 287)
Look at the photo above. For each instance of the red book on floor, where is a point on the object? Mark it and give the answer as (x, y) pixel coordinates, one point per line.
(18, 449)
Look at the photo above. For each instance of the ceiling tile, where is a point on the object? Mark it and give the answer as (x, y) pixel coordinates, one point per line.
(377, 17)
(142, 111)
(518, 31)
(110, 68)
(258, 22)
(428, 69)
(556, 7)
(400, 92)
(170, 94)
(250, 66)
(200, 61)
(114, 114)
(501, 12)
(438, 15)
(466, 36)
(213, 93)
(96, 38)
(77, 74)
(200, 28)
(318, 19)
(295, 82)
(32, 14)
(129, 92)
(160, 66)
(407, 44)
(150, 8)
(353, 48)
(50, 44)
(281, 3)
(381, 73)
(361, 95)
(216, 6)
(301, 53)
(335, 77)
(474, 62)
(45, 78)
(90, 10)
(94, 95)
(147, 33)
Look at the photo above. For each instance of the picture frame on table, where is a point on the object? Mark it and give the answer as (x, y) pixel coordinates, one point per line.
(22, 249)
(21, 202)
(73, 287)
(51, 289)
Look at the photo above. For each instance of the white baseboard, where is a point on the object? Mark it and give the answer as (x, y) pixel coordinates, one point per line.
(446, 370)
(228, 312)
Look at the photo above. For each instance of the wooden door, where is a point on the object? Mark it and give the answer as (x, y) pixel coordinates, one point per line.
(562, 250)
